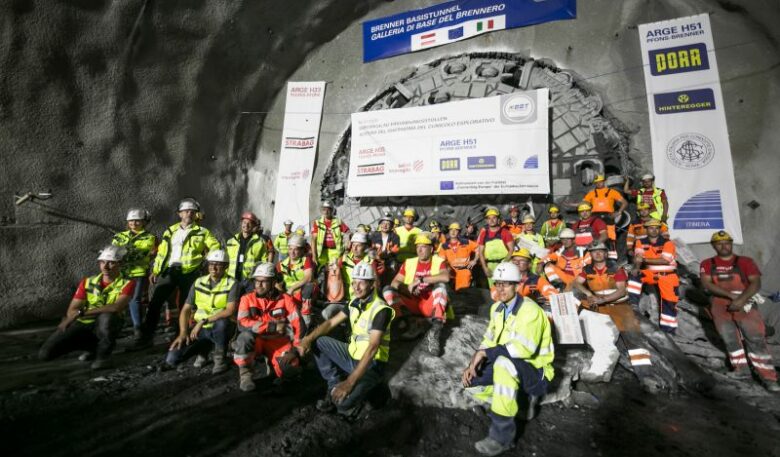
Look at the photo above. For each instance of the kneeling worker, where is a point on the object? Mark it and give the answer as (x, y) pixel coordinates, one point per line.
(94, 317)
(421, 288)
(270, 325)
(363, 360)
(516, 353)
(213, 299)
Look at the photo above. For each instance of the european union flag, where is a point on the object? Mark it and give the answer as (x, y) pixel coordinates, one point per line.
(454, 34)
(446, 185)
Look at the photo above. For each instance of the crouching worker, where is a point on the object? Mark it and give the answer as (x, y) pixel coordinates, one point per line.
(352, 370)
(213, 299)
(516, 355)
(94, 317)
(420, 287)
(270, 326)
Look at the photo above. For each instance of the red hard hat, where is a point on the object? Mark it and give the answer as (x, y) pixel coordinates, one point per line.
(249, 215)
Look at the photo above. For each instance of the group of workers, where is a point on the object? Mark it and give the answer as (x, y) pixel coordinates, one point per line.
(273, 302)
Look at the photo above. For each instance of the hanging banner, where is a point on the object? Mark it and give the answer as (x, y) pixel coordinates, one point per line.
(494, 145)
(302, 116)
(691, 152)
(455, 21)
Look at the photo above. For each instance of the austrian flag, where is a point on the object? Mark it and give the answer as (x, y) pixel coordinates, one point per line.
(462, 31)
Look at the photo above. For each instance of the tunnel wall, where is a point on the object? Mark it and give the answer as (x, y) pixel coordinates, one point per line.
(109, 104)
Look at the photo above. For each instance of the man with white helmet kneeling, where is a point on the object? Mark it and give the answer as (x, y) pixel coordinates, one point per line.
(352, 370)
(94, 317)
(516, 353)
(213, 299)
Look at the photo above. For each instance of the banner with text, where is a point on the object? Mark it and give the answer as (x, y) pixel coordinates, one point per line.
(455, 21)
(691, 152)
(302, 116)
(495, 145)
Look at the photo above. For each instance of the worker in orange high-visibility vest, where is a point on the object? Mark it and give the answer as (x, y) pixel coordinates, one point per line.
(565, 264)
(531, 285)
(461, 255)
(636, 231)
(603, 201)
(656, 264)
(588, 228)
(514, 223)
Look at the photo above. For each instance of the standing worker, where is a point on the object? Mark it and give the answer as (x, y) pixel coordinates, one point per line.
(386, 244)
(534, 238)
(733, 282)
(516, 353)
(246, 249)
(460, 254)
(94, 316)
(588, 228)
(603, 200)
(495, 243)
(177, 264)
(358, 252)
(650, 195)
(352, 369)
(141, 247)
(407, 233)
(552, 227)
(327, 236)
(654, 260)
(280, 242)
(211, 303)
(513, 223)
(636, 231)
(298, 278)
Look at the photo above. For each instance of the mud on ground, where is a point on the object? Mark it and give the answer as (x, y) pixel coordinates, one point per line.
(62, 408)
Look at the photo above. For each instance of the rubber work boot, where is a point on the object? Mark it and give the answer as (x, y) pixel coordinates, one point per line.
(220, 366)
(771, 386)
(101, 364)
(491, 447)
(200, 360)
(261, 369)
(326, 404)
(433, 338)
(533, 402)
(246, 384)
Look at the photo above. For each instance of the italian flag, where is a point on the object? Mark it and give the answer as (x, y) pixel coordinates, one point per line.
(485, 25)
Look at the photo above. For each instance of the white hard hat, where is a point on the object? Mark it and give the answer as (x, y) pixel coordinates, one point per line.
(288, 222)
(137, 214)
(359, 237)
(189, 204)
(296, 240)
(647, 176)
(264, 270)
(326, 204)
(112, 253)
(217, 255)
(566, 233)
(597, 246)
(363, 271)
(507, 272)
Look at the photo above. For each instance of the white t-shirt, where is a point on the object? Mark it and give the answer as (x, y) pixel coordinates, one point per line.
(177, 241)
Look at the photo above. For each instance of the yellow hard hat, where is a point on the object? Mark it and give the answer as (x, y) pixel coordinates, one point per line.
(584, 206)
(642, 205)
(528, 219)
(492, 211)
(423, 238)
(721, 236)
(454, 225)
(436, 229)
(553, 209)
(522, 252)
(598, 178)
(410, 212)
(653, 222)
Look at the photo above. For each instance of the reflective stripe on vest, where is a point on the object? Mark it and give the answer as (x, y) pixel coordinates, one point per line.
(197, 242)
(208, 300)
(139, 247)
(256, 252)
(406, 237)
(410, 268)
(603, 204)
(347, 265)
(604, 283)
(360, 322)
(657, 202)
(98, 297)
(280, 243)
(335, 230)
(292, 272)
(551, 233)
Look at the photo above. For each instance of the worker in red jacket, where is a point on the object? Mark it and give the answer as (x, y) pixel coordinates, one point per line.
(733, 282)
(270, 325)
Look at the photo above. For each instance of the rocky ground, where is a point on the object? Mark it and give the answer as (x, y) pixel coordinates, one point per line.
(136, 408)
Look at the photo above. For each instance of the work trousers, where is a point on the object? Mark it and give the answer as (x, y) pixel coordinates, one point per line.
(98, 337)
(432, 304)
(736, 327)
(249, 344)
(304, 298)
(140, 297)
(462, 279)
(664, 286)
(504, 379)
(622, 314)
(172, 280)
(335, 363)
(217, 337)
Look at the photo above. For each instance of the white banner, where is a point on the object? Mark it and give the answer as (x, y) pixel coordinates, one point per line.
(495, 145)
(691, 153)
(302, 115)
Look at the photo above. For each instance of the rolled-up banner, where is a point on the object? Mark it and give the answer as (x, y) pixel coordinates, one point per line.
(691, 152)
(302, 116)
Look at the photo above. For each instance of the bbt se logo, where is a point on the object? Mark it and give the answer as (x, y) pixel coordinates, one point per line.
(681, 59)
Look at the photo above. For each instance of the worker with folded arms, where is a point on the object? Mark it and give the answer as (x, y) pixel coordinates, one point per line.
(328, 236)
(636, 231)
(495, 243)
(461, 255)
(211, 305)
(552, 227)
(407, 233)
(246, 249)
(386, 245)
(603, 201)
(649, 194)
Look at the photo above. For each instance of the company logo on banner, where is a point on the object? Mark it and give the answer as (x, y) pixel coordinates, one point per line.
(455, 21)
(517, 108)
(373, 169)
(450, 164)
(303, 112)
(481, 163)
(691, 151)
